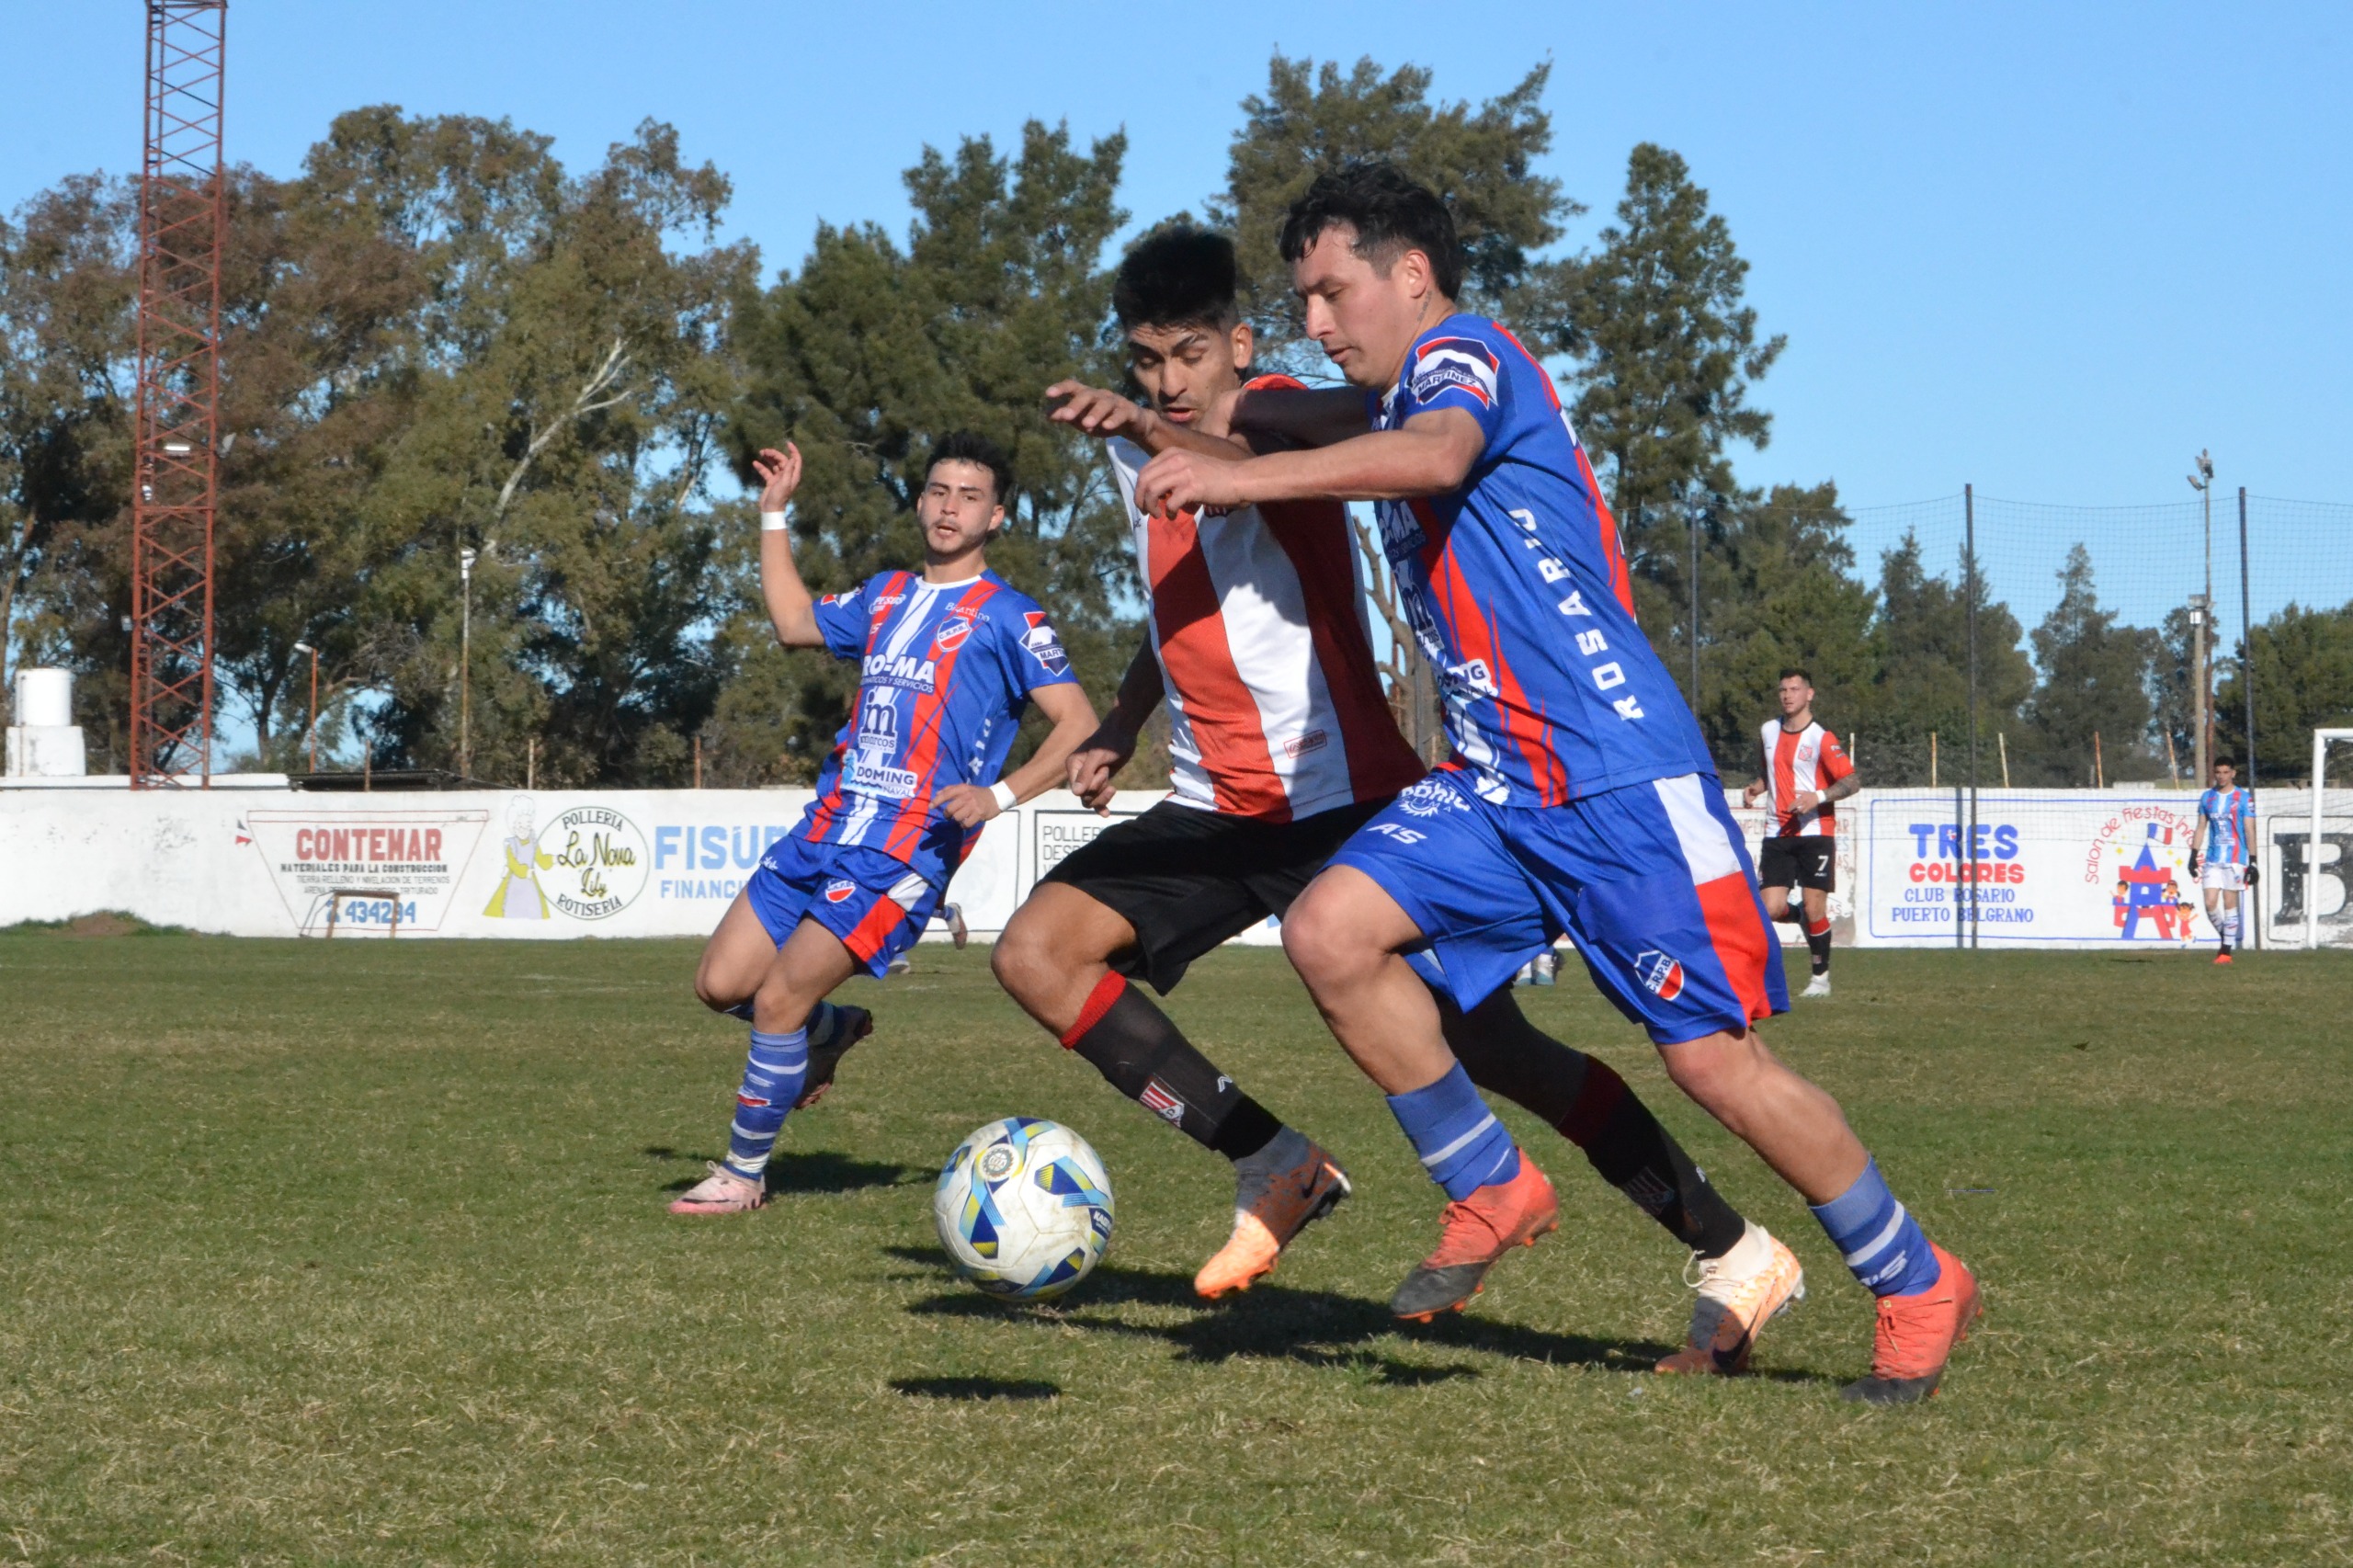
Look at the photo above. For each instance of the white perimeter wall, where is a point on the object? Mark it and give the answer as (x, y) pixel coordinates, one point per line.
(646, 863)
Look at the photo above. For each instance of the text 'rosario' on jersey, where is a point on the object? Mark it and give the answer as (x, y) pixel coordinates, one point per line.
(944, 671)
(1518, 592)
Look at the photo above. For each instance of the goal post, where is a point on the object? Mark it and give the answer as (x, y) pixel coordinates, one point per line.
(2321, 739)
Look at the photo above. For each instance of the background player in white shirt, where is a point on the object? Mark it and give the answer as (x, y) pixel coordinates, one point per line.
(2220, 857)
(1802, 773)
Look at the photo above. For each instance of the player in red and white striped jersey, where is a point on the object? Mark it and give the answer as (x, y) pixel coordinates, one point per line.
(1803, 774)
(1281, 746)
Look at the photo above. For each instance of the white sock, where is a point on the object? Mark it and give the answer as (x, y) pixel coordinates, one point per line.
(1752, 1251)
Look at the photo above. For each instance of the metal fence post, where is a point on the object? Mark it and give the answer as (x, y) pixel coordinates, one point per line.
(2246, 691)
(1969, 535)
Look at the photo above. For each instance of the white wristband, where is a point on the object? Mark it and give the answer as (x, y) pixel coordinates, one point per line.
(772, 522)
(1002, 793)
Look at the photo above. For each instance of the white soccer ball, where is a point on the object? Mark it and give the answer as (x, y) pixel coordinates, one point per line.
(1024, 1207)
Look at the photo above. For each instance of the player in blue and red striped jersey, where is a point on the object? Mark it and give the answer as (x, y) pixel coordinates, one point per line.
(1581, 798)
(950, 656)
(2219, 859)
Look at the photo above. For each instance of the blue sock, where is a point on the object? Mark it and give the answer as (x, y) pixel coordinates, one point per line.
(1462, 1144)
(1881, 1241)
(772, 1076)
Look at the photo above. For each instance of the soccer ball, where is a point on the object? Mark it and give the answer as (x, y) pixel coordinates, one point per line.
(1024, 1208)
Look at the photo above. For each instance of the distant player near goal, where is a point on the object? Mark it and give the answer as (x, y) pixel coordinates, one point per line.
(1804, 774)
(2219, 857)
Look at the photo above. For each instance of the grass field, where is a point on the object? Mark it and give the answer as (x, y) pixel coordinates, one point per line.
(356, 1253)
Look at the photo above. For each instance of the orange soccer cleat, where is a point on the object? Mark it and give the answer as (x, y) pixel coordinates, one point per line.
(1479, 1230)
(1277, 1192)
(1755, 1281)
(1916, 1334)
(2223, 957)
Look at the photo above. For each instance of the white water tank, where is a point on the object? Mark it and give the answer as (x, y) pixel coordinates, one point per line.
(44, 742)
(44, 699)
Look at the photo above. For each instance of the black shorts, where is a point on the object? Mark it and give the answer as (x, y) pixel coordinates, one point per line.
(1187, 879)
(1807, 861)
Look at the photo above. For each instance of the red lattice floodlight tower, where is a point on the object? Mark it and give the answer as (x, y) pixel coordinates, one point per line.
(182, 215)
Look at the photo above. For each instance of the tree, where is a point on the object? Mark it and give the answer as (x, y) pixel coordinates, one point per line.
(872, 350)
(66, 286)
(551, 368)
(1665, 351)
(1776, 592)
(434, 338)
(1313, 119)
(1919, 657)
(2094, 694)
(2302, 664)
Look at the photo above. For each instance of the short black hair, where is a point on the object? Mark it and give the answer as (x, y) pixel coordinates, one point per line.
(1391, 213)
(971, 446)
(1177, 276)
(2225, 762)
(1798, 671)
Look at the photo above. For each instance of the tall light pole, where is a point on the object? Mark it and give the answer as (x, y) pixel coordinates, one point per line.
(465, 664)
(306, 648)
(2201, 610)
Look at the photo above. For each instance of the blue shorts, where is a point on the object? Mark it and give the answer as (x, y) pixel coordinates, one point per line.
(1651, 881)
(874, 903)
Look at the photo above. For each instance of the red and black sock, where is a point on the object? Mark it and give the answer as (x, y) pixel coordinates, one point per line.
(1593, 1107)
(1817, 942)
(1144, 1057)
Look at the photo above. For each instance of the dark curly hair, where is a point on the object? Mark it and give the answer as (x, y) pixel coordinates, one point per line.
(1177, 276)
(970, 446)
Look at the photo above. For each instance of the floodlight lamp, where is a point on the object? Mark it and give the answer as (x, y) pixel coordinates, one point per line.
(304, 648)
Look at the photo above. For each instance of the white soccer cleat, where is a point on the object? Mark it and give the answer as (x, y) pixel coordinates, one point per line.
(720, 1192)
(1818, 986)
(1739, 1294)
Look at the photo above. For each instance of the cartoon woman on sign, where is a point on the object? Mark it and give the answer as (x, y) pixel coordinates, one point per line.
(519, 896)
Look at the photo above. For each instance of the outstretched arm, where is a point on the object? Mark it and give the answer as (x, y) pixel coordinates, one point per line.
(791, 609)
(1106, 413)
(1066, 703)
(1105, 752)
(1431, 455)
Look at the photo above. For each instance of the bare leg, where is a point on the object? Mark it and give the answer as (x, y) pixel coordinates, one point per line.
(1343, 936)
(1056, 950)
(1794, 1127)
(735, 959)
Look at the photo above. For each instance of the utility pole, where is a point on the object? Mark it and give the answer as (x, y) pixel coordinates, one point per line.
(2201, 613)
(183, 217)
(306, 648)
(465, 665)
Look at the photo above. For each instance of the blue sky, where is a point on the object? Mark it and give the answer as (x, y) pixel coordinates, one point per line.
(2052, 251)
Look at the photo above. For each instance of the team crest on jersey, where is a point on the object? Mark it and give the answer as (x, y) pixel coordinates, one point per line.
(839, 889)
(1044, 644)
(953, 631)
(1462, 362)
(1661, 975)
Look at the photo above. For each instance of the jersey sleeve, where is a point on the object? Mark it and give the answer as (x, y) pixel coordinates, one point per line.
(1458, 369)
(1032, 650)
(841, 621)
(1835, 766)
